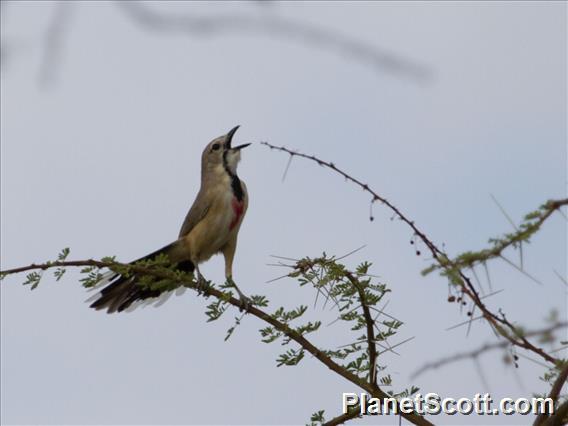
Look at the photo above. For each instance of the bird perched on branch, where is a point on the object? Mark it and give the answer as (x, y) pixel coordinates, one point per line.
(211, 226)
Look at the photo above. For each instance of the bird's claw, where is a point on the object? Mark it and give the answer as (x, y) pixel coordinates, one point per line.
(202, 284)
(245, 302)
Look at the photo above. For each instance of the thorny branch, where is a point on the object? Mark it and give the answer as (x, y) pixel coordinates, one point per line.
(471, 259)
(453, 270)
(187, 280)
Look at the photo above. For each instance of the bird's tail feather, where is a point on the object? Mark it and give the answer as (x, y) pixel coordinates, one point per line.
(123, 291)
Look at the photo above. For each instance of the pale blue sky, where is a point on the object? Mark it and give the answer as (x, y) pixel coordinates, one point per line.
(105, 160)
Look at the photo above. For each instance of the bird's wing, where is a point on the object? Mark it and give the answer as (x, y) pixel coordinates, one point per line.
(196, 213)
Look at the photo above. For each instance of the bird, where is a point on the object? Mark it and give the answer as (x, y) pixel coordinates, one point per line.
(211, 226)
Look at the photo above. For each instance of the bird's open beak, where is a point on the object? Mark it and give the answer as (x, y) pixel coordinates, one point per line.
(241, 146)
(229, 138)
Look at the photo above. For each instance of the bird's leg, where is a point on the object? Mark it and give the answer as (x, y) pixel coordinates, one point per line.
(245, 301)
(201, 282)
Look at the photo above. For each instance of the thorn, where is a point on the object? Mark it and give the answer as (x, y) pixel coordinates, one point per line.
(285, 258)
(477, 280)
(487, 276)
(492, 294)
(398, 344)
(276, 279)
(351, 252)
(287, 167)
(464, 323)
(504, 212)
(532, 360)
(520, 270)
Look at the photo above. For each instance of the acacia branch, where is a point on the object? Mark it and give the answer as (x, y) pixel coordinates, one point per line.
(559, 383)
(342, 418)
(533, 222)
(554, 394)
(187, 280)
(370, 325)
(453, 270)
(559, 417)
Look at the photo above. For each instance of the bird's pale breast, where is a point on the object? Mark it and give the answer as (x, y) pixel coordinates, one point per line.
(218, 226)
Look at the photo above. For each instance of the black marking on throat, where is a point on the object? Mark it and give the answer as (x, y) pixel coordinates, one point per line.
(236, 185)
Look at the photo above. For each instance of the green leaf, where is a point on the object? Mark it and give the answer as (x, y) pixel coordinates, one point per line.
(317, 418)
(63, 255)
(32, 279)
(290, 357)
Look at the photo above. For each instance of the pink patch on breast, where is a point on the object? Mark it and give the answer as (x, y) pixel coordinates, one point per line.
(238, 210)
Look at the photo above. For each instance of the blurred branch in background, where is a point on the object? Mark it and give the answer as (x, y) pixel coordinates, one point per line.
(149, 17)
(10, 46)
(55, 35)
(503, 344)
(272, 26)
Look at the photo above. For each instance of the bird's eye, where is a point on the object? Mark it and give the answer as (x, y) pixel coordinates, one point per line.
(215, 147)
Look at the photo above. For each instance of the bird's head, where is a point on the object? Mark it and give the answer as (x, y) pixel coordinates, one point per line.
(220, 153)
